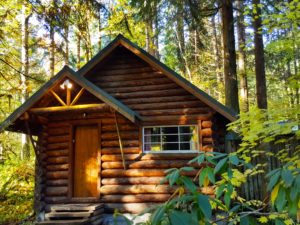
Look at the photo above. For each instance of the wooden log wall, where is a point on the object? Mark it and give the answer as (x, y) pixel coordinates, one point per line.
(56, 162)
(159, 101)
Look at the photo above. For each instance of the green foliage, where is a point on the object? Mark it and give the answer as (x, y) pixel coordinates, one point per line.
(16, 190)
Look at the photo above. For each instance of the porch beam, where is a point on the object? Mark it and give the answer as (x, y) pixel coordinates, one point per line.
(43, 110)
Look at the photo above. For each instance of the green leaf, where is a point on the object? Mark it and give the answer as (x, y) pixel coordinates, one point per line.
(199, 159)
(210, 175)
(187, 168)
(293, 193)
(204, 205)
(182, 218)
(287, 177)
(158, 215)
(220, 190)
(202, 177)
(234, 160)
(189, 184)
(174, 177)
(244, 220)
(220, 165)
(273, 180)
(279, 222)
(281, 199)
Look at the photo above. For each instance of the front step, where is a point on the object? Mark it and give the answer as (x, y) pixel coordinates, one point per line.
(64, 222)
(73, 214)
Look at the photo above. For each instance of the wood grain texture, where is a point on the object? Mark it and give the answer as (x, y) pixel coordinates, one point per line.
(86, 167)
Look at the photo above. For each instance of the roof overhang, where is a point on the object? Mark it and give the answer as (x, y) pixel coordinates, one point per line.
(67, 72)
(181, 81)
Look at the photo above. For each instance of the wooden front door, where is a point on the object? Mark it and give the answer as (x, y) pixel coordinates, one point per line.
(86, 161)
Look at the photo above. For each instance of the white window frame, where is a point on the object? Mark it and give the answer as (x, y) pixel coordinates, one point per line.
(172, 151)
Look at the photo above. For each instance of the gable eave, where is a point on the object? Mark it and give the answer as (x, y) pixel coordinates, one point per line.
(68, 72)
(181, 81)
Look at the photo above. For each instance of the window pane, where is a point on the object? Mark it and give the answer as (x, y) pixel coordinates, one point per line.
(155, 138)
(186, 137)
(187, 129)
(170, 146)
(152, 147)
(188, 146)
(169, 130)
(152, 130)
(170, 138)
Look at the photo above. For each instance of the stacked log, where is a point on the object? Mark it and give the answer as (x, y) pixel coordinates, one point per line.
(57, 163)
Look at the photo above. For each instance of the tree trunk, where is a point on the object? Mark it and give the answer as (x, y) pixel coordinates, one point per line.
(149, 39)
(25, 149)
(242, 57)
(78, 51)
(52, 51)
(180, 38)
(218, 59)
(231, 87)
(261, 89)
(100, 28)
(66, 58)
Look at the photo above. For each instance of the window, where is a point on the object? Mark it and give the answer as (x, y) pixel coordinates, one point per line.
(170, 138)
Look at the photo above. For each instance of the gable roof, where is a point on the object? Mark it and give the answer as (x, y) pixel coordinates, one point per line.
(181, 81)
(84, 83)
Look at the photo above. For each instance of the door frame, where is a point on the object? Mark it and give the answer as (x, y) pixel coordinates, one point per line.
(72, 128)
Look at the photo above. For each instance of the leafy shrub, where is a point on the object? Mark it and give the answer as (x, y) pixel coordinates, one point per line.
(16, 190)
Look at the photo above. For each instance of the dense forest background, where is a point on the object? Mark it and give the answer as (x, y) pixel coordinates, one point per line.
(243, 53)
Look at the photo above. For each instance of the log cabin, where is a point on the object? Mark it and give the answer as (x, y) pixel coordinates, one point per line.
(106, 134)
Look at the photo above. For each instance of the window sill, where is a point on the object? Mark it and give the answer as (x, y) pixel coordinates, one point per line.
(171, 152)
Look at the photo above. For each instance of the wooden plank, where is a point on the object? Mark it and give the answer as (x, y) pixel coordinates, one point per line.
(86, 167)
(57, 160)
(141, 88)
(176, 118)
(207, 124)
(116, 150)
(128, 76)
(56, 191)
(149, 156)
(150, 81)
(135, 189)
(142, 100)
(57, 175)
(122, 127)
(60, 167)
(126, 71)
(67, 108)
(156, 93)
(61, 182)
(135, 198)
(55, 146)
(132, 180)
(138, 173)
(115, 143)
(58, 138)
(184, 111)
(124, 135)
(58, 131)
(149, 164)
(166, 105)
(60, 152)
